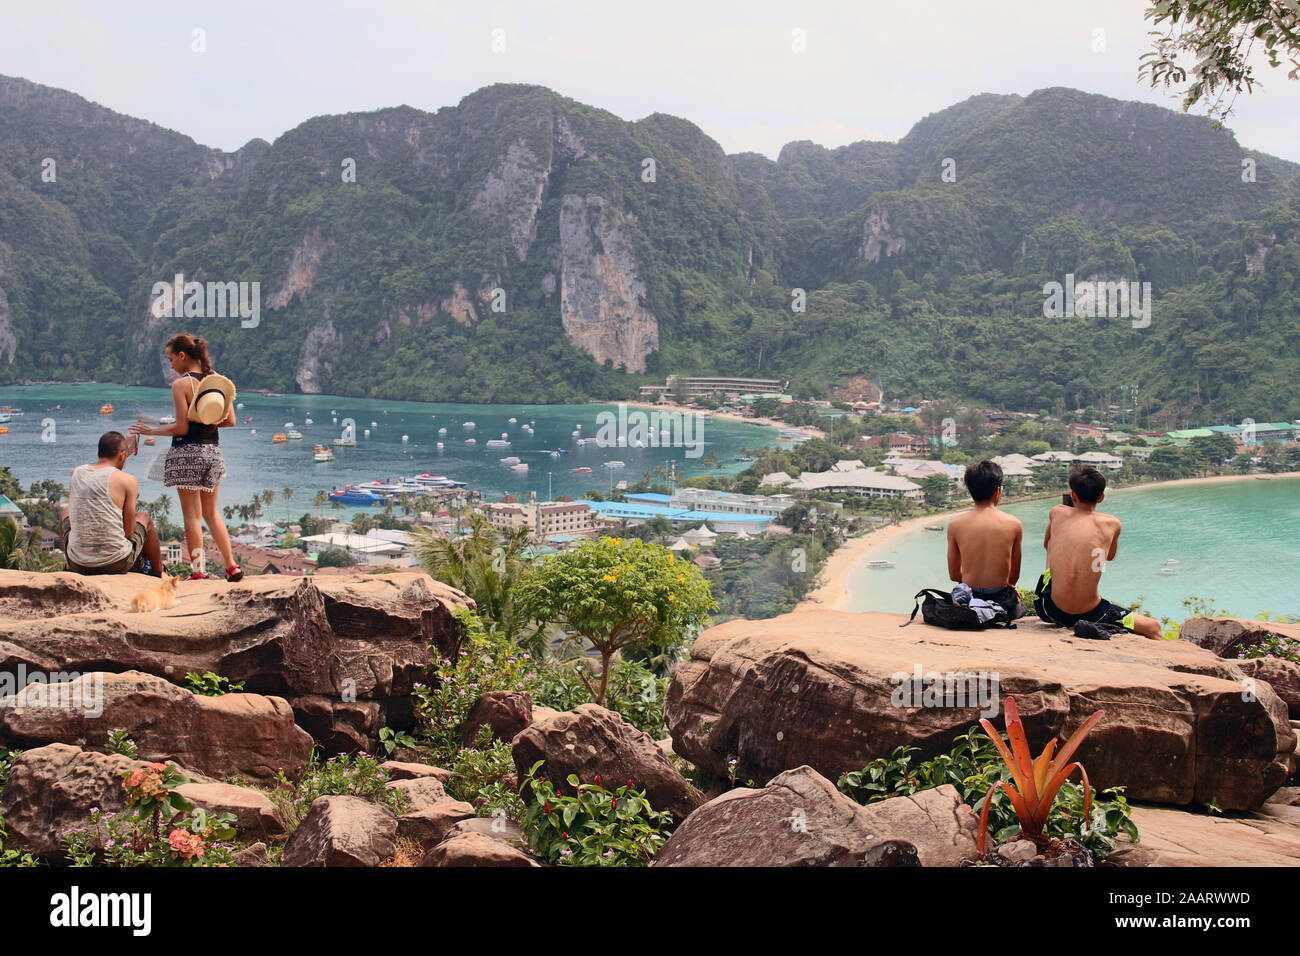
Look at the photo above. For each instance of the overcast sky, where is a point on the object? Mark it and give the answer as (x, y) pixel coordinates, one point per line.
(869, 71)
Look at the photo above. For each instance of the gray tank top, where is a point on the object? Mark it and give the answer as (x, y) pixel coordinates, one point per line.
(95, 538)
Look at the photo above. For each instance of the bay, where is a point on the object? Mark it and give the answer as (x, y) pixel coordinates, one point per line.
(253, 463)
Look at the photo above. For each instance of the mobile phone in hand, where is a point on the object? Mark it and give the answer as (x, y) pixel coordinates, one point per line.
(1067, 499)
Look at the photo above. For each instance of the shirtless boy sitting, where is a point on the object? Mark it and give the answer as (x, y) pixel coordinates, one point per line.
(984, 544)
(1079, 541)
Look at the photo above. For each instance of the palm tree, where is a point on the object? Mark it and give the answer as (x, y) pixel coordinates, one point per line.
(485, 563)
(287, 493)
(267, 497)
(20, 552)
(322, 496)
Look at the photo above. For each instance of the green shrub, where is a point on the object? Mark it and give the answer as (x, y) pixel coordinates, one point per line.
(592, 826)
(486, 662)
(351, 775)
(973, 766)
(209, 684)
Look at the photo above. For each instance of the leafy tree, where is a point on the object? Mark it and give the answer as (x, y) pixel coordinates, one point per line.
(1219, 37)
(618, 595)
(937, 489)
(19, 550)
(334, 558)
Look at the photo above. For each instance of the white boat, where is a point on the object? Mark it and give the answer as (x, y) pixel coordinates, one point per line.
(442, 431)
(471, 441)
(880, 564)
(167, 420)
(293, 435)
(520, 468)
(512, 421)
(512, 460)
(4, 418)
(615, 464)
(381, 487)
(505, 434)
(288, 425)
(467, 425)
(497, 443)
(374, 424)
(575, 435)
(1167, 571)
(307, 421)
(1170, 561)
(239, 404)
(440, 446)
(321, 453)
(583, 442)
(405, 438)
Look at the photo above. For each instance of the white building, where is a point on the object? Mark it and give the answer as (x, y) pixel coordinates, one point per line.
(368, 549)
(867, 482)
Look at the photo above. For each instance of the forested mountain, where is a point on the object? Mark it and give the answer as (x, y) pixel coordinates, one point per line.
(521, 246)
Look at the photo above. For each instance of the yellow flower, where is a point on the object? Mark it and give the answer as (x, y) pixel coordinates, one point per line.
(610, 577)
(681, 577)
(670, 597)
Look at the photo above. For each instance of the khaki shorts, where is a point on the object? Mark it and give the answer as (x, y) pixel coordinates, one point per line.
(132, 562)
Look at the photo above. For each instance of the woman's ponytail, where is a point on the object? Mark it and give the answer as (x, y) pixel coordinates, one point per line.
(195, 347)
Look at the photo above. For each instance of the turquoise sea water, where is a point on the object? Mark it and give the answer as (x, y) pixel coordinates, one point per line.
(1237, 544)
(253, 463)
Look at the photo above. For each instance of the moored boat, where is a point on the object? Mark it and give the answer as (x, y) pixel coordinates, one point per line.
(321, 453)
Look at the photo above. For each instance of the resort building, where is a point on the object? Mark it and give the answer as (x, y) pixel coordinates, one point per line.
(919, 469)
(371, 549)
(635, 513)
(855, 477)
(722, 502)
(693, 385)
(10, 510)
(544, 519)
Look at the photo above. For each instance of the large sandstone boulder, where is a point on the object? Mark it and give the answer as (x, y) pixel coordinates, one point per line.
(321, 641)
(342, 831)
(506, 712)
(818, 687)
(52, 790)
(591, 740)
(798, 819)
(236, 733)
(1268, 837)
(1229, 636)
(430, 826)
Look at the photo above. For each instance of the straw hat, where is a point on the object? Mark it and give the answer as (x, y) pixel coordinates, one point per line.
(212, 401)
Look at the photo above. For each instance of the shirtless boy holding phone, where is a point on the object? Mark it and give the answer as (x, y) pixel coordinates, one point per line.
(1079, 541)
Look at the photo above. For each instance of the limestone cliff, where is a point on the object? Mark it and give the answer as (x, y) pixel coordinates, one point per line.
(600, 293)
(302, 269)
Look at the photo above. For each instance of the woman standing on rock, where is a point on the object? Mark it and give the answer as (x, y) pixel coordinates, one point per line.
(193, 465)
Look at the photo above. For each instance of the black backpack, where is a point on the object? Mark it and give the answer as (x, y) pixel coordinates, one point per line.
(938, 608)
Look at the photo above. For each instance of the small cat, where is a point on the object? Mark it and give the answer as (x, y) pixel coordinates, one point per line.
(157, 597)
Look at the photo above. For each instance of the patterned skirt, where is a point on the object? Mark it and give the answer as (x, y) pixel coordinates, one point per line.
(190, 467)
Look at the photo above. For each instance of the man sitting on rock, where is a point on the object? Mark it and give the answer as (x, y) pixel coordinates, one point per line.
(1079, 541)
(102, 532)
(984, 548)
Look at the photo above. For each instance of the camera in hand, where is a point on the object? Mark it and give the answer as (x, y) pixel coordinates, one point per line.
(1067, 499)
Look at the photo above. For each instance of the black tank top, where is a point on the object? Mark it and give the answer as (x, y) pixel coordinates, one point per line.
(199, 433)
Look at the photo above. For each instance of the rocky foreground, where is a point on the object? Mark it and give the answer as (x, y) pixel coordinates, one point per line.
(794, 701)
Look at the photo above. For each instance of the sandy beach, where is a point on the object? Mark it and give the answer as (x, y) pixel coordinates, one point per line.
(807, 430)
(834, 593)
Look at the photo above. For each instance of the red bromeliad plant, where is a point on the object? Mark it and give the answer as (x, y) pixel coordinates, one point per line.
(1036, 781)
